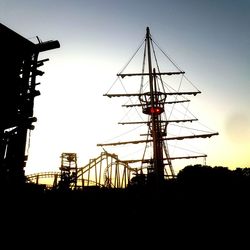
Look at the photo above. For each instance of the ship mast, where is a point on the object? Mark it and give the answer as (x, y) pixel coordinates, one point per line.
(152, 103)
(154, 110)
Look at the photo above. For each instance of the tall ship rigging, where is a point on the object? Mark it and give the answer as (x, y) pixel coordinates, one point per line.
(155, 96)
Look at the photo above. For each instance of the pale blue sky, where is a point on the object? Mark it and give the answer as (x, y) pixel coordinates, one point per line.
(209, 40)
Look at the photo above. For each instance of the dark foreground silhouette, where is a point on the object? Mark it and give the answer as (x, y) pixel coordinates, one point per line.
(200, 197)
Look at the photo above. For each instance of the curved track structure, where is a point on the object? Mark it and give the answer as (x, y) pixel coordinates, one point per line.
(106, 170)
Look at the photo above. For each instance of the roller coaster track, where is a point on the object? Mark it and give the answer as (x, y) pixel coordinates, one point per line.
(106, 170)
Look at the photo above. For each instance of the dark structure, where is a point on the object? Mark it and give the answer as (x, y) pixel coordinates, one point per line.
(19, 67)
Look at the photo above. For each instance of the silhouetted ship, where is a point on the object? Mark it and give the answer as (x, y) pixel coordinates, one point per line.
(157, 98)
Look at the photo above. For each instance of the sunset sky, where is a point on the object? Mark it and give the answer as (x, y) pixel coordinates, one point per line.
(208, 39)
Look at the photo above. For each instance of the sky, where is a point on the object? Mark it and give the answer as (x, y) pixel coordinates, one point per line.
(209, 40)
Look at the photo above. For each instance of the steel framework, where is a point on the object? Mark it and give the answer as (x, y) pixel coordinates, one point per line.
(106, 171)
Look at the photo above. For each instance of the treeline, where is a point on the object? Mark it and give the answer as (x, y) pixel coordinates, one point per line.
(206, 175)
(217, 183)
